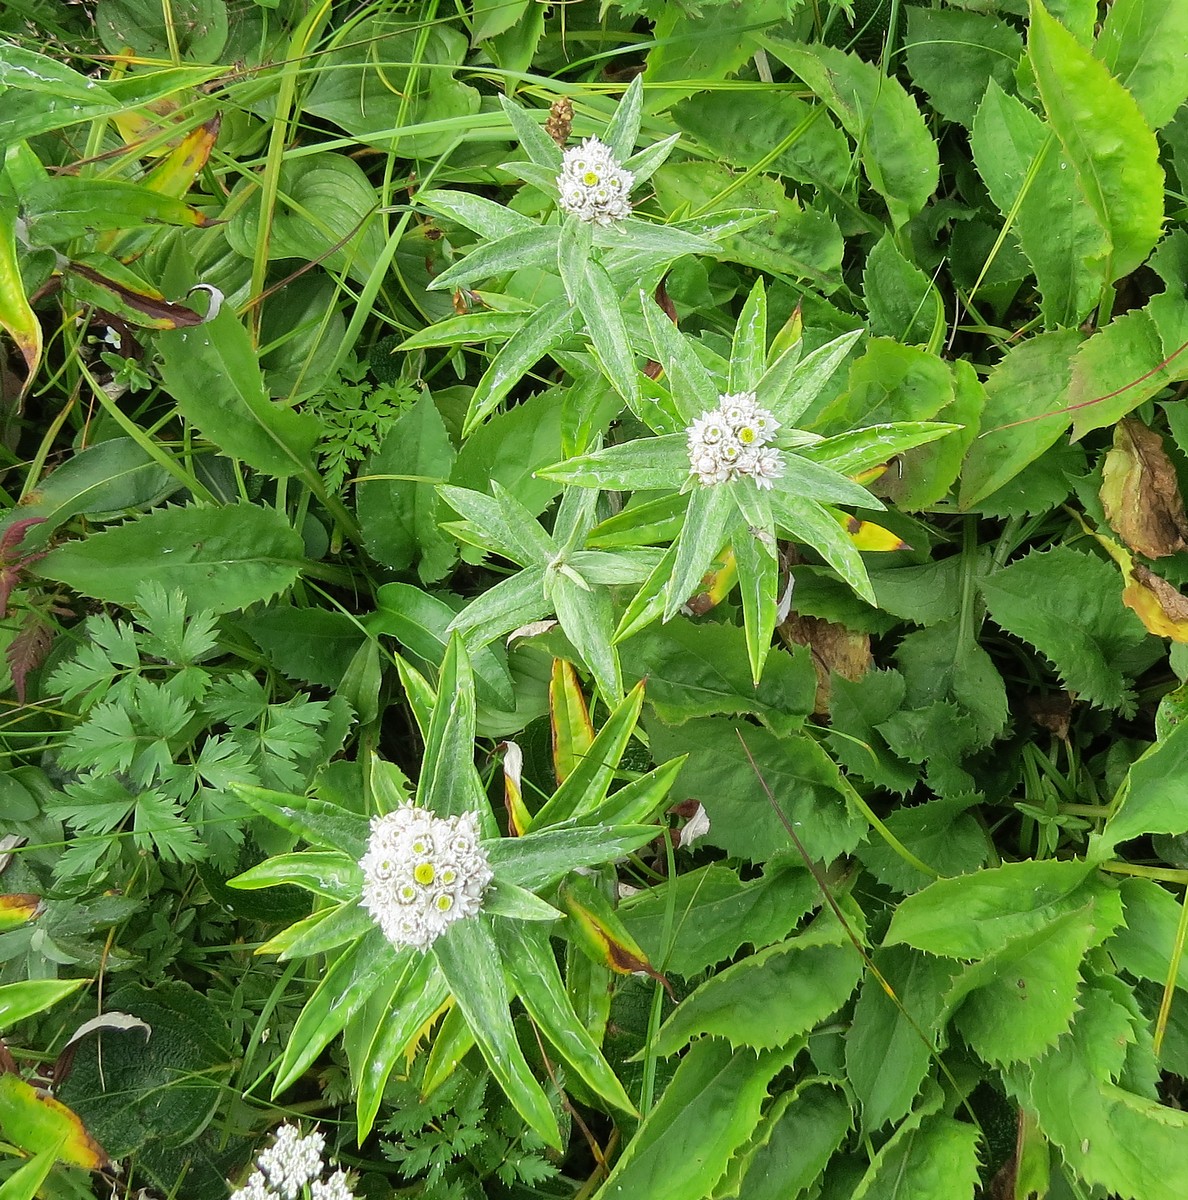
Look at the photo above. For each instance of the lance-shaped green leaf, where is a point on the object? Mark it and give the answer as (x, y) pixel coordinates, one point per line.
(587, 618)
(64, 207)
(646, 464)
(649, 523)
(806, 521)
(790, 384)
(692, 389)
(638, 800)
(320, 932)
(412, 1002)
(1144, 43)
(586, 785)
(539, 859)
(603, 566)
(809, 480)
(535, 247)
(21, 1000)
(514, 602)
(504, 524)
(319, 822)
(758, 582)
(748, 351)
(533, 974)
(488, 218)
(859, 449)
(573, 252)
(538, 335)
(713, 516)
(623, 128)
(597, 930)
(648, 603)
(470, 327)
(470, 961)
(1109, 145)
(332, 874)
(503, 899)
(650, 159)
(636, 245)
(449, 784)
(603, 316)
(363, 968)
(540, 147)
(16, 314)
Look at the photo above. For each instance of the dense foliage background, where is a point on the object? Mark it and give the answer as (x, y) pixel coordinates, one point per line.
(840, 830)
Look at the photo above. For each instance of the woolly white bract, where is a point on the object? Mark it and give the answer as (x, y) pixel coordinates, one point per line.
(593, 185)
(421, 872)
(732, 441)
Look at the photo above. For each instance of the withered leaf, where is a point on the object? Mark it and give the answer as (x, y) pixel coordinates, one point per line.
(834, 648)
(1141, 494)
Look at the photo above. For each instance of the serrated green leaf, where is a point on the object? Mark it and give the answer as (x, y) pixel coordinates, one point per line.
(938, 1160)
(1143, 43)
(1150, 799)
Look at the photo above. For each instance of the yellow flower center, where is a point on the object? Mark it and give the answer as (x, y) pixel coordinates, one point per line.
(590, 178)
(424, 874)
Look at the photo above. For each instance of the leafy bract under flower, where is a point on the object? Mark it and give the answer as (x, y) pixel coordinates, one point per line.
(422, 872)
(732, 441)
(594, 187)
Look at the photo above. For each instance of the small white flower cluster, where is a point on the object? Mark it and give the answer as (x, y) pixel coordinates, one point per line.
(291, 1164)
(732, 441)
(593, 185)
(421, 872)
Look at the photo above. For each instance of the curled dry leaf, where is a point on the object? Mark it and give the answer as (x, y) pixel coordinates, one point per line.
(834, 648)
(1141, 494)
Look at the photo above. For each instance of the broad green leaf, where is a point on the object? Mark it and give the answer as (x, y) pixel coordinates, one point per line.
(857, 709)
(1145, 944)
(891, 382)
(711, 1107)
(64, 207)
(891, 1043)
(898, 154)
(700, 670)
(470, 961)
(197, 28)
(1150, 799)
(1033, 597)
(938, 1160)
(1126, 1144)
(325, 209)
(1020, 1000)
(26, 70)
(901, 300)
(1026, 174)
(399, 515)
(790, 238)
(940, 832)
(1143, 43)
(800, 1133)
(222, 558)
(316, 645)
(1108, 144)
(213, 373)
(21, 1000)
(1025, 397)
(973, 916)
(791, 137)
(402, 95)
(714, 913)
(807, 788)
(100, 479)
(772, 996)
(953, 55)
(422, 623)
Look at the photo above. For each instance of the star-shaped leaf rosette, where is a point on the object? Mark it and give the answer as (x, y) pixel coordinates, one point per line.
(739, 473)
(425, 907)
(593, 240)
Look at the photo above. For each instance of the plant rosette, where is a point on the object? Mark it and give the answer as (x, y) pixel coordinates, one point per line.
(425, 906)
(599, 247)
(734, 464)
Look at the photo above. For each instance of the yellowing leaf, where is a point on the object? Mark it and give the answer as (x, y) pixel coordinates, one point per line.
(569, 719)
(1141, 494)
(866, 535)
(716, 584)
(1162, 609)
(17, 908)
(37, 1122)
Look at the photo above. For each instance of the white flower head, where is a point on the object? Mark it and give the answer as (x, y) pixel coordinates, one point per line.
(256, 1188)
(333, 1188)
(292, 1161)
(422, 872)
(732, 441)
(593, 185)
